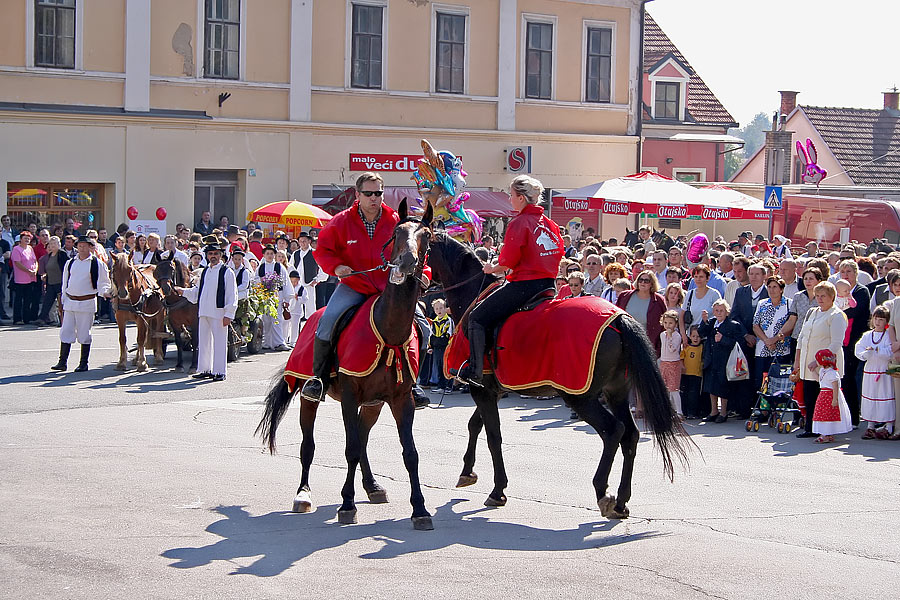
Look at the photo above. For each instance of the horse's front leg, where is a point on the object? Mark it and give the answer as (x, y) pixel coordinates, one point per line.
(179, 366)
(468, 476)
(303, 499)
(403, 408)
(123, 347)
(158, 353)
(368, 415)
(486, 400)
(139, 358)
(194, 346)
(350, 414)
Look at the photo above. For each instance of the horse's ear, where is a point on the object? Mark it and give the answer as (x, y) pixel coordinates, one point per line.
(403, 210)
(428, 216)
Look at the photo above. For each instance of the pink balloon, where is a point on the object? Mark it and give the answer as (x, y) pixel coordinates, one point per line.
(161, 213)
(132, 213)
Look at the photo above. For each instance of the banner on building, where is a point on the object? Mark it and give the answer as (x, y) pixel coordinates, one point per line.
(148, 226)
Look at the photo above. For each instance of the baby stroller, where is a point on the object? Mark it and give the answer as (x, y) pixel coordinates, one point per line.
(775, 403)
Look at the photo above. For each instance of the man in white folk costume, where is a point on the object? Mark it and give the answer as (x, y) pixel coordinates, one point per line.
(273, 333)
(84, 278)
(310, 276)
(217, 297)
(242, 274)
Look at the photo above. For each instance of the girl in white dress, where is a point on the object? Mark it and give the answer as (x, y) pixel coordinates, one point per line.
(832, 415)
(877, 395)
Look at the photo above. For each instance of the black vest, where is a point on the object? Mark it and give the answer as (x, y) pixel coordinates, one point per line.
(220, 292)
(261, 272)
(310, 266)
(95, 270)
(239, 276)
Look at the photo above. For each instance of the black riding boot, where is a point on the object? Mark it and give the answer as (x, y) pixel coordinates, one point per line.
(314, 389)
(64, 350)
(473, 371)
(85, 352)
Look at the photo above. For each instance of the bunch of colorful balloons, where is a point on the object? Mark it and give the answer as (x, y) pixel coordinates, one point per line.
(441, 180)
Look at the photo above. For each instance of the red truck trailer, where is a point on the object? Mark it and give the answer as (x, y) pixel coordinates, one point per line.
(807, 218)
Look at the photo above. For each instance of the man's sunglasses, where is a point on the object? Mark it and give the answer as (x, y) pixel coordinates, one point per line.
(368, 194)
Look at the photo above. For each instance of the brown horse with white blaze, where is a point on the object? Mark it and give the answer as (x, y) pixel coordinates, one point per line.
(137, 300)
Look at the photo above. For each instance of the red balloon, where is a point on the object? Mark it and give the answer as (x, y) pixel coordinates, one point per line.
(132, 213)
(161, 213)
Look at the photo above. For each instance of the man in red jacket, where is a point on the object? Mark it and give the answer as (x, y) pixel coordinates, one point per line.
(352, 241)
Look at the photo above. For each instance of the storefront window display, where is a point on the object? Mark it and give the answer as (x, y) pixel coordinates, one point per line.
(52, 205)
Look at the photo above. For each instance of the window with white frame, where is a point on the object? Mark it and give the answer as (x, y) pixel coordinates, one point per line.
(450, 53)
(539, 60)
(366, 44)
(598, 65)
(222, 38)
(54, 33)
(668, 95)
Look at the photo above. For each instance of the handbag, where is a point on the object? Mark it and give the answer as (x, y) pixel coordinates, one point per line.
(688, 315)
(736, 368)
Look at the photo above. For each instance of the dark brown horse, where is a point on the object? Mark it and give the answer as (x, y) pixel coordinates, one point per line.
(625, 362)
(181, 314)
(137, 300)
(362, 397)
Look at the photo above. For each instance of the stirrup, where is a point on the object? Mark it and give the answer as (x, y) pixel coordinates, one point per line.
(313, 390)
(467, 375)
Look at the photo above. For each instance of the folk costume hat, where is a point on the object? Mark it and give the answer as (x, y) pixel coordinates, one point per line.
(304, 234)
(237, 249)
(212, 248)
(826, 358)
(268, 247)
(82, 239)
(234, 230)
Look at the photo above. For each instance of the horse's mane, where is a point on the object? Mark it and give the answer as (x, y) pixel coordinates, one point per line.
(459, 255)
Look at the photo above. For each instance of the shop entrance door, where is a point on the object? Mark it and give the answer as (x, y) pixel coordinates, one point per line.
(215, 191)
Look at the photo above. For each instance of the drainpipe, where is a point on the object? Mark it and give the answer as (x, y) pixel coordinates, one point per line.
(640, 100)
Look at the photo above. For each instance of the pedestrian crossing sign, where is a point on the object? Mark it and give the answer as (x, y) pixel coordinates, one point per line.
(772, 199)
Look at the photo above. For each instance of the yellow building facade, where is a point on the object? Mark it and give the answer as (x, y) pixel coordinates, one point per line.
(225, 105)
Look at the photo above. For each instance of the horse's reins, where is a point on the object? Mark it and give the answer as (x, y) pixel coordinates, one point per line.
(385, 264)
(137, 308)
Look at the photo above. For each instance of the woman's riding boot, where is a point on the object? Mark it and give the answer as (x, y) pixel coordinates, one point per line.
(314, 388)
(64, 350)
(473, 372)
(83, 364)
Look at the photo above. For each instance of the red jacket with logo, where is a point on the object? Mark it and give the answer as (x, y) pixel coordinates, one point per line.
(532, 246)
(344, 241)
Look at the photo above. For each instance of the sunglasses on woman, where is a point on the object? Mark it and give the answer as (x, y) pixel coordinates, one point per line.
(369, 194)
(643, 280)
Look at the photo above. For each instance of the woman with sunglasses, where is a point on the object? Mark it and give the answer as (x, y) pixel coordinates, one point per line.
(646, 305)
(532, 249)
(576, 285)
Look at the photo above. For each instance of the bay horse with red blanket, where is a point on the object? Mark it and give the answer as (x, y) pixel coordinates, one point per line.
(624, 361)
(362, 396)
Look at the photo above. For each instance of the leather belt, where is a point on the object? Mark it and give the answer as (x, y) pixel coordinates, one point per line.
(81, 298)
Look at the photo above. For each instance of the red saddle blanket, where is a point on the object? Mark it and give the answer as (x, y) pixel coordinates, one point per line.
(555, 344)
(359, 349)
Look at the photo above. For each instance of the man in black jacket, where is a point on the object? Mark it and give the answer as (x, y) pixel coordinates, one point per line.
(746, 299)
(858, 323)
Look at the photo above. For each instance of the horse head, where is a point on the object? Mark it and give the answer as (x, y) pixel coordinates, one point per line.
(165, 273)
(122, 275)
(411, 238)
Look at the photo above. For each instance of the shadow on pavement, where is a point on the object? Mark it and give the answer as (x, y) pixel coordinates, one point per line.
(284, 538)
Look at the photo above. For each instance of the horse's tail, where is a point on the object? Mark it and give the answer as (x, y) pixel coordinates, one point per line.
(652, 395)
(278, 399)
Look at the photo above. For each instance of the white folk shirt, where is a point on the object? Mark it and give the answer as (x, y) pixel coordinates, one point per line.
(207, 304)
(79, 284)
(243, 288)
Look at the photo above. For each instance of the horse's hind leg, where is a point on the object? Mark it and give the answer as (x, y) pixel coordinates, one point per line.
(350, 413)
(403, 409)
(487, 400)
(303, 499)
(468, 476)
(194, 346)
(629, 445)
(610, 430)
(368, 415)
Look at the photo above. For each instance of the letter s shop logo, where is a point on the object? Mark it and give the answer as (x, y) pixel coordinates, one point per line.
(518, 159)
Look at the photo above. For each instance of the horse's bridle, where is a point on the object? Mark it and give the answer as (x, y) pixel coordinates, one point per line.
(124, 294)
(385, 264)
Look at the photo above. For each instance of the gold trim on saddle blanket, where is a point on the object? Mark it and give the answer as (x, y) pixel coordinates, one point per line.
(380, 348)
(549, 382)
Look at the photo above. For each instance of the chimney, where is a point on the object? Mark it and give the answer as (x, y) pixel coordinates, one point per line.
(788, 101)
(892, 99)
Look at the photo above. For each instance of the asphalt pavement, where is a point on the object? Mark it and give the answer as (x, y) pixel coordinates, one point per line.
(151, 485)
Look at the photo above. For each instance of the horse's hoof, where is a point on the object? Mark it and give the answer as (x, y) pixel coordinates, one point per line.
(491, 501)
(302, 503)
(607, 505)
(422, 523)
(378, 496)
(179, 369)
(467, 480)
(192, 370)
(620, 513)
(142, 367)
(120, 367)
(347, 517)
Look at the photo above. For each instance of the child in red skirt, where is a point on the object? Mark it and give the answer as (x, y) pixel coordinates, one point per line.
(670, 358)
(832, 415)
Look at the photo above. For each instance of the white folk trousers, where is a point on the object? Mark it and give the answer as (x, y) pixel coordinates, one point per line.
(76, 326)
(212, 346)
(273, 333)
